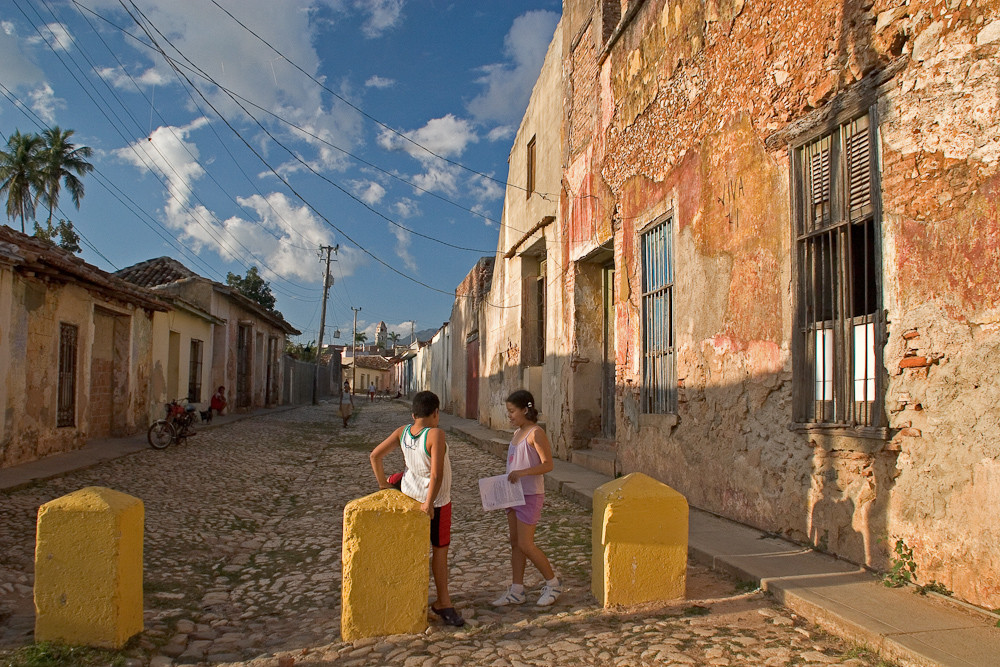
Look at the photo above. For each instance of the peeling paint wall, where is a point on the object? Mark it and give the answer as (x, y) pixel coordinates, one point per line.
(681, 109)
(32, 312)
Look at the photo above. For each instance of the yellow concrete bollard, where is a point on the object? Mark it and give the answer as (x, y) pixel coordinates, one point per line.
(640, 538)
(386, 576)
(88, 568)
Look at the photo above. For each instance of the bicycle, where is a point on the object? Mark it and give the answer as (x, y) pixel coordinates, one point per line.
(174, 427)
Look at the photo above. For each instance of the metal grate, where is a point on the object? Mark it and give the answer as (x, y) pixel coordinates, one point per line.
(840, 326)
(66, 403)
(194, 371)
(659, 375)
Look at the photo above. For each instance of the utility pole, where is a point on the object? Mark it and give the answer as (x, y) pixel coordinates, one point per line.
(327, 281)
(413, 325)
(354, 354)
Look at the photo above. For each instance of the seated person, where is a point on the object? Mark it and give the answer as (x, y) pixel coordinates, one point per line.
(218, 402)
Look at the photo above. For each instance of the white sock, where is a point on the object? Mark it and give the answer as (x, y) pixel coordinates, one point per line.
(517, 589)
(553, 582)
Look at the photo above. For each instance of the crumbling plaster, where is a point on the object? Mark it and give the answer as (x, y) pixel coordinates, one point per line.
(688, 96)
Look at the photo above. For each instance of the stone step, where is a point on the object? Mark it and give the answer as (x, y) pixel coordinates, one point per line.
(604, 444)
(595, 459)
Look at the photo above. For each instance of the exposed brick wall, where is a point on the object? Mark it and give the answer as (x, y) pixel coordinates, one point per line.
(692, 113)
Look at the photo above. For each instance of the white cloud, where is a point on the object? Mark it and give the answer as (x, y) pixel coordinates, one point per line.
(167, 153)
(508, 84)
(16, 69)
(441, 177)
(54, 35)
(407, 208)
(446, 136)
(485, 189)
(501, 133)
(246, 65)
(369, 192)
(376, 81)
(382, 15)
(403, 239)
(44, 103)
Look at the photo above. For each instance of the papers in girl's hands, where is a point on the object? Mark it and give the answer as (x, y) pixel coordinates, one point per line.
(497, 493)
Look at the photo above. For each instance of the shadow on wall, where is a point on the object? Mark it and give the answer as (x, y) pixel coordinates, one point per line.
(730, 451)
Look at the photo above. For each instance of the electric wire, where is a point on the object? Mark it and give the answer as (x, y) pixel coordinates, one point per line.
(192, 212)
(171, 62)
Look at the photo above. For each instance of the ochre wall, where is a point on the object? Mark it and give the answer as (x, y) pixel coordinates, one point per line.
(684, 114)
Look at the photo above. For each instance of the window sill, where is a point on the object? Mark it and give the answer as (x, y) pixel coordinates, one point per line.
(866, 432)
(865, 439)
(663, 421)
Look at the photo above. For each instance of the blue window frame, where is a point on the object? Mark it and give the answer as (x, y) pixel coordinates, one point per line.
(659, 373)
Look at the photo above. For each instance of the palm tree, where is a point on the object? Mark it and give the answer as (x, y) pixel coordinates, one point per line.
(20, 175)
(360, 337)
(393, 338)
(62, 161)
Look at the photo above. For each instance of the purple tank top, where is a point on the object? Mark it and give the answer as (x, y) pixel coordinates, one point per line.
(522, 455)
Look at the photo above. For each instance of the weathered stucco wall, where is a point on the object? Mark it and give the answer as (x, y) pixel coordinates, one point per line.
(33, 311)
(188, 327)
(684, 114)
(529, 234)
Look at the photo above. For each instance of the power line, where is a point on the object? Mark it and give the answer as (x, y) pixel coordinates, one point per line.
(206, 225)
(237, 99)
(171, 62)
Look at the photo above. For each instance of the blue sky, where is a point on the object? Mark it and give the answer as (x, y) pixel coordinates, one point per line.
(307, 125)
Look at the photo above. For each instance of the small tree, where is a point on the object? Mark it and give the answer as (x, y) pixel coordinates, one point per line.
(68, 238)
(300, 351)
(253, 287)
(393, 339)
(361, 337)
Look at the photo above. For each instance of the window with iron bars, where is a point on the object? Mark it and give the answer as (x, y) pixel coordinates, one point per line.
(840, 327)
(194, 371)
(659, 373)
(66, 399)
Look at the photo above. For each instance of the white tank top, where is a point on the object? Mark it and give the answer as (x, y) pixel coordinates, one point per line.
(522, 455)
(417, 477)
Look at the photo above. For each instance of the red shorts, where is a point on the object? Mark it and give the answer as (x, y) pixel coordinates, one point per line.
(440, 522)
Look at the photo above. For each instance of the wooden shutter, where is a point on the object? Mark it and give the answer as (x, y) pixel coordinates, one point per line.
(859, 169)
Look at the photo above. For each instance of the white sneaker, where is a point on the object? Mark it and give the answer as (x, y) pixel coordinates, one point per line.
(549, 595)
(508, 598)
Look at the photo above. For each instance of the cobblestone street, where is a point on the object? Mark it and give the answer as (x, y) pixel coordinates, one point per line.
(242, 564)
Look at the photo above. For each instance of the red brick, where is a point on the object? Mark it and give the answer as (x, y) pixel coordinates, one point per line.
(914, 362)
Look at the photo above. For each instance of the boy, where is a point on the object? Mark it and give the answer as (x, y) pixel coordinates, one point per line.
(427, 480)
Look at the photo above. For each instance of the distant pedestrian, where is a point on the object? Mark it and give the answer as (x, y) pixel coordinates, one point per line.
(529, 456)
(427, 479)
(346, 402)
(371, 392)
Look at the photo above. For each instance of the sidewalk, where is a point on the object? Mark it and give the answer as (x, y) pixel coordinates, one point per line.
(100, 450)
(844, 599)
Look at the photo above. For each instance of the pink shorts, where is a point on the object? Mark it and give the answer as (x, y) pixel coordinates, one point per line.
(531, 511)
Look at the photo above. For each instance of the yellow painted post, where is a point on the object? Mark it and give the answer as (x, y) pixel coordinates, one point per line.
(386, 576)
(88, 568)
(639, 539)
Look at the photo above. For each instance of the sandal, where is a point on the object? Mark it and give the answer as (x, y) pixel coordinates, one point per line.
(449, 616)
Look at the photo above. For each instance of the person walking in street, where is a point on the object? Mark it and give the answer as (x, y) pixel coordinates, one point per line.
(426, 479)
(529, 456)
(346, 402)
(371, 392)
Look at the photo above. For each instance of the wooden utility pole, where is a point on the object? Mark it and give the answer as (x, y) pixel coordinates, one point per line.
(354, 354)
(327, 281)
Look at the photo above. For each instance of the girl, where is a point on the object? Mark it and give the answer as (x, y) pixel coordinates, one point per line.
(528, 458)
